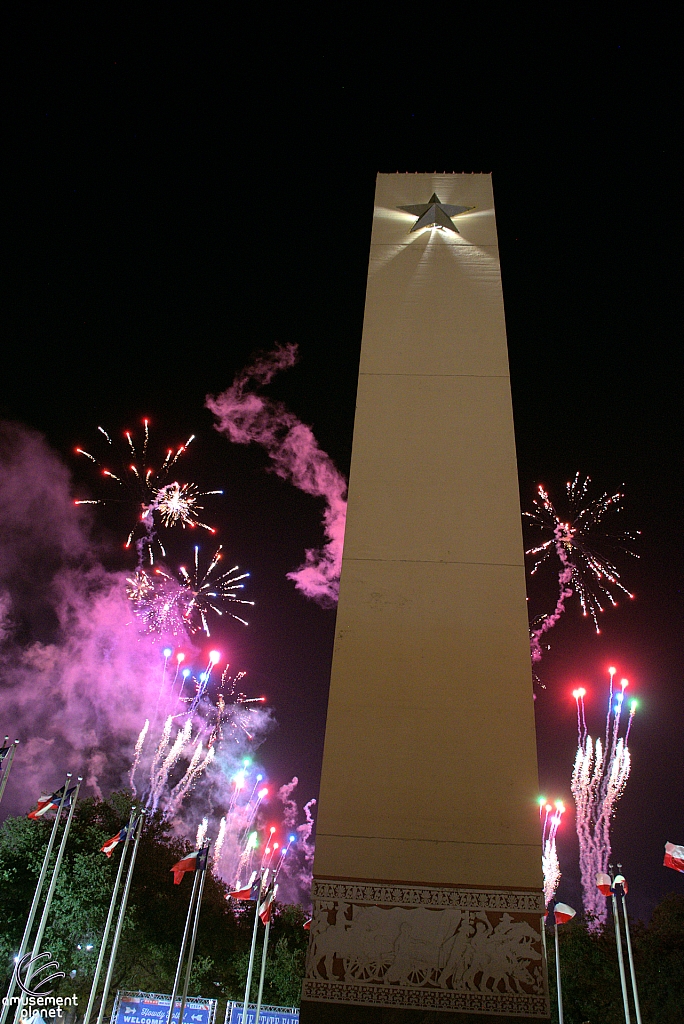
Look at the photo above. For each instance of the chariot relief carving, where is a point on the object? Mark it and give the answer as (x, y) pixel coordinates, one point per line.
(421, 955)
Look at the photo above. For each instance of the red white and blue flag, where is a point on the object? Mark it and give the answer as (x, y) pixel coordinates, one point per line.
(307, 924)
(266, 906)
(50, 803)
(251, 891)
(563, 913)
(195, 861)
(674, 857)
(4, 751)
(109, 847)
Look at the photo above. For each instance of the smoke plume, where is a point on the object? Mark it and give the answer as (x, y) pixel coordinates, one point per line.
(244, 416)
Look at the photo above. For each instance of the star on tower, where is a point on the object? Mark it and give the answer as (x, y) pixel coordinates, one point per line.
(435, 214)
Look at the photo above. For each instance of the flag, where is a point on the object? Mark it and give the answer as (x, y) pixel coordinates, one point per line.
(563, 913)
(307, 924)
(251, 891)
(267, 905)
(109, 846)
(674, 857)
(195, 861)
(4, 751)
(604, 884)
(621, 880)
(50, 803)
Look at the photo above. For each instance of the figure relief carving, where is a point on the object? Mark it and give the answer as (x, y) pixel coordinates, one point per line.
(439, 955)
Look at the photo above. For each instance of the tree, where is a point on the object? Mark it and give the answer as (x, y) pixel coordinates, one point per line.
(156, 911)
(589, 969)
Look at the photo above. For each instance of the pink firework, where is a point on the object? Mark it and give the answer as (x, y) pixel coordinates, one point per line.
(599, 778)
(572, 539)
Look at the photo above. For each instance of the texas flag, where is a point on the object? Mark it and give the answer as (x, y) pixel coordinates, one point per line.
(109, 846)
(195, 861)
(251, 891)
(267, 905)
(307, 924)
(563, 913)
(674, 857)
(50, 803)
(4, 751)
(604, 884)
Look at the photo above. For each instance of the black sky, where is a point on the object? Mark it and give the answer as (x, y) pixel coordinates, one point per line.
(185, 185)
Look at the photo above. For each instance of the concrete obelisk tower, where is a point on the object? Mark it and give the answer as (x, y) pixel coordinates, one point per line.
(427, 876)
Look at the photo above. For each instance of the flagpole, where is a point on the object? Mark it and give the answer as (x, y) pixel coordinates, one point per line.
(543, 935)
(193, 937)
(251, 953)
(50, 893)
(263, 971)
(637, 1008)
(108, 923)
(120, 920)
(36, 899)
(8, 766)
(558, 975)
(621, 960)
(176, 980)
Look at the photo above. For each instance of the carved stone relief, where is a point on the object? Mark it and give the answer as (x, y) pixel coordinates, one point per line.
(450, 949)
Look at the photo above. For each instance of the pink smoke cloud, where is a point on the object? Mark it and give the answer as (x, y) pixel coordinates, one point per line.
(297, 875)
(244, 416)
(75, 674)
(565, 592)
(79, 676)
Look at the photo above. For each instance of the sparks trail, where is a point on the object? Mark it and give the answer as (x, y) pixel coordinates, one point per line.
(149, 493)
(183, 762)
(599, 778)
(550, 815)
(205, 723)
(583, 569)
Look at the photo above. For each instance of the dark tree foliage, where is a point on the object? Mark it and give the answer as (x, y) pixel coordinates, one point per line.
(589, 969)
(156, 911)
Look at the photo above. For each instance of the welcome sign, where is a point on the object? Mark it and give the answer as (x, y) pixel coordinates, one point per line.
(153, 1008)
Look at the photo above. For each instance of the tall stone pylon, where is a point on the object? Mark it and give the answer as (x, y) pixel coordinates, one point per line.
(427, 889)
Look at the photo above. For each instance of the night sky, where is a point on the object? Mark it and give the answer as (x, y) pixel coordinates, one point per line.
(186, 186)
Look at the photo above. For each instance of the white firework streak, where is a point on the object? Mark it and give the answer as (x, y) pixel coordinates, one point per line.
(138, 752)
(550, 862)
(599, 778)
(182, 738)
(218, 845)
(194, 770)
(161, 747)
(201, 833)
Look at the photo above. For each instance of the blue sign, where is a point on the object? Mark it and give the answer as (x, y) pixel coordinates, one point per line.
(268, 1014)
(151, 1008)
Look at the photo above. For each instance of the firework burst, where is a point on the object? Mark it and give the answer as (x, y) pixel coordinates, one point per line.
(148, 492)
(599, 778)
(573, 540)
(201, 593)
